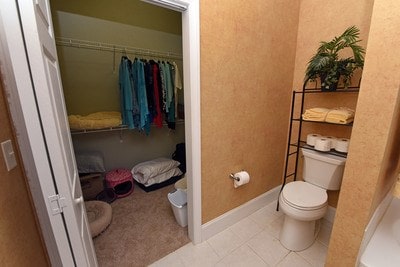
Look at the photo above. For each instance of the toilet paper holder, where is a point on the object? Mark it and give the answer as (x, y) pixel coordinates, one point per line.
(232, 176)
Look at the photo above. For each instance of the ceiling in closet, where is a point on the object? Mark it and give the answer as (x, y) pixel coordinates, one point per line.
(131, 12)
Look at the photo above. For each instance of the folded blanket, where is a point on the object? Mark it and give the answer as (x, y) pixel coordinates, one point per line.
(340, 115)
(315, 114)
(158, 178)
(97, 120)
(152, 168)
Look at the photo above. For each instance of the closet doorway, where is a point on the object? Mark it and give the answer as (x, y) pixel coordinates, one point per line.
(82, 70)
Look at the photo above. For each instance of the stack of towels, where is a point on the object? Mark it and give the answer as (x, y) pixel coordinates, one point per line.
(341, 115)
(155, 171)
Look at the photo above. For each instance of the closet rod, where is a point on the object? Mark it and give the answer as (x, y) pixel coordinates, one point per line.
(115, 48)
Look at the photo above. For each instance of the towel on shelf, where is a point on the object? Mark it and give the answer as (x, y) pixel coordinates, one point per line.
(315, 114)
(340, 115)
(97, 120)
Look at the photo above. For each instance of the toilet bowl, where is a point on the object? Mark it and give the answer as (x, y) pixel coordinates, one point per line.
(304, 203)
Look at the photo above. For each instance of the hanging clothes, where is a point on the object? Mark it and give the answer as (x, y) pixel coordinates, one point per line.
(135, 103)
(177, 85)
(139, 79)
(163, 85)
(125, 87)
(170, 96)
(148, 74)
(148, 92)
(156, 91)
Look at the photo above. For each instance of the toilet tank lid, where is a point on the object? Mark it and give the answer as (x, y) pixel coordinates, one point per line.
(323, 156)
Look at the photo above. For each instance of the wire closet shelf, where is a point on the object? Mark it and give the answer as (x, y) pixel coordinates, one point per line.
(115, 48)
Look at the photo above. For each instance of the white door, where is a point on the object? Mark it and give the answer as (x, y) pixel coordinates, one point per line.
(42, 56)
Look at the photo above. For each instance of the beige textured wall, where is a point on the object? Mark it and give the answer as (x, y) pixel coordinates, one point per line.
(321, 21)
(20, 244)
(247, 59)
(373, 160)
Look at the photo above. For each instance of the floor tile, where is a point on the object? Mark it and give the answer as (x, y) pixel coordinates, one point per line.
(253, 241)
(274, 228)
(201, 255)
(171, 260)
(292, 259)
(316, 254)
(225, 242)
(263, 217)
(243, 256)
(325, 232)
(246, 229)
(268, 248)
(272, 209)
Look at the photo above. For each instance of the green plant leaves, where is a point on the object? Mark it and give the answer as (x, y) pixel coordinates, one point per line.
(326, 62)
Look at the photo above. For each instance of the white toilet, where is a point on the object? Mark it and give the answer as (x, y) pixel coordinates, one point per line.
(304, 203)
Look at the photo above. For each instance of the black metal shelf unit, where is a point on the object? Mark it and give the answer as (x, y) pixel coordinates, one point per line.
(297, 118)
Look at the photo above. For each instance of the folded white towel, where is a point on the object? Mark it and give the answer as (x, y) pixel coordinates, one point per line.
(315, 114)
(340, 115)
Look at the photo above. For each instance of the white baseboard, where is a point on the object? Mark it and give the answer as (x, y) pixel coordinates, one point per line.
(231, 217)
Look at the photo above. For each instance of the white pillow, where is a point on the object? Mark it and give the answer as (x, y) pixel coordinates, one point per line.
(158, 178)
(152, 168)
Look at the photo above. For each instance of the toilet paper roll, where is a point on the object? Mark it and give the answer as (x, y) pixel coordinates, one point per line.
(322, 144)
(342, 145)
(243, 177)
(311, 139)
(333, 140)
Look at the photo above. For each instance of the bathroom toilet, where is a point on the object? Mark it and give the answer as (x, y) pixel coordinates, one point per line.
(305, 202)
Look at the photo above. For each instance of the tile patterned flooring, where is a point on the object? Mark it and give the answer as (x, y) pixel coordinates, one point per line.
(251, 242)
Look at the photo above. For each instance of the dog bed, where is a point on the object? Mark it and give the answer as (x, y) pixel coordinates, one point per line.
(99, 215)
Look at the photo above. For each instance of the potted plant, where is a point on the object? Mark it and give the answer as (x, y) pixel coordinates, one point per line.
(327, 65)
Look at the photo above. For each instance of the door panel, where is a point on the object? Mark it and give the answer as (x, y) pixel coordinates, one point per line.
(40, 45)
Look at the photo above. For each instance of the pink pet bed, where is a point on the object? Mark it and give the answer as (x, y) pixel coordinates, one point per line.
(121, 181)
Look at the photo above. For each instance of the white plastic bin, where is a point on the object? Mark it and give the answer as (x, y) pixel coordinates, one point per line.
(178, 200)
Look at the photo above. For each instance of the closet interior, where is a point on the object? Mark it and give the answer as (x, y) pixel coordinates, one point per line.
(111, 57)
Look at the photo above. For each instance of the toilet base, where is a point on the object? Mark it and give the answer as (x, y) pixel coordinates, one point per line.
(298, 235)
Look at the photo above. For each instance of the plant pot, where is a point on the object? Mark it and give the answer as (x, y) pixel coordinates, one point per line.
(329, 86)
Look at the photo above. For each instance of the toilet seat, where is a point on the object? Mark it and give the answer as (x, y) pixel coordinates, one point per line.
(304, 196)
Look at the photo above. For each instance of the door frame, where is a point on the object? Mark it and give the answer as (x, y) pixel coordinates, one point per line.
(191, 70)
(26, 120)
(190, 10)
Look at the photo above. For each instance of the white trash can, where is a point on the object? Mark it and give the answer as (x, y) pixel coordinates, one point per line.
(178, 200)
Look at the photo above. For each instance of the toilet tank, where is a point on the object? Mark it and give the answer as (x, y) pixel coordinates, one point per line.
(322, 169)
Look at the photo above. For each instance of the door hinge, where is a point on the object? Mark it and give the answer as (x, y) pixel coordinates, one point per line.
(57, 204)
